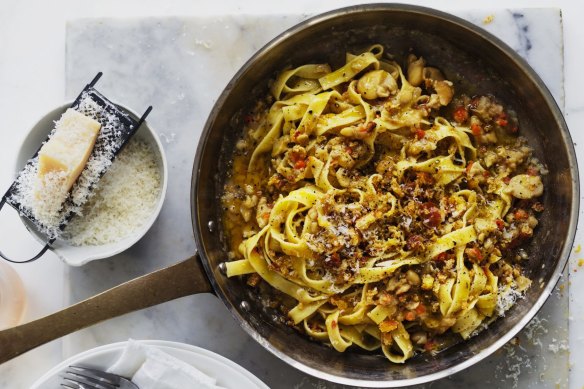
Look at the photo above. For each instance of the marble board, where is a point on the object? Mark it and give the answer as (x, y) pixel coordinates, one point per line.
(180, 66)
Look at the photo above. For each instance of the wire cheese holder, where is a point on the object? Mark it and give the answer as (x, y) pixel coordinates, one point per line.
(117, 127)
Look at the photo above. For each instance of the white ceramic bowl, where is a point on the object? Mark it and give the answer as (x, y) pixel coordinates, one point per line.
(79, 255)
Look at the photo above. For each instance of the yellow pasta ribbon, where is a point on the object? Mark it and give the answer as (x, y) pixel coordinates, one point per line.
(349, 71)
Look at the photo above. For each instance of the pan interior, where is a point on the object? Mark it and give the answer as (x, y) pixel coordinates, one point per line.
(476, 66)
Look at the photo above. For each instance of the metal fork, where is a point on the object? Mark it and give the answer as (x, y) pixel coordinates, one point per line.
(79, 377)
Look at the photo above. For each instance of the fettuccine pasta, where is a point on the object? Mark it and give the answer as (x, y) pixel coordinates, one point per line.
(385, 210)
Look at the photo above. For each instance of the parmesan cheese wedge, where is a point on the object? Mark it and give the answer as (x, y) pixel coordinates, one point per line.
(60, 162)
(69, 148)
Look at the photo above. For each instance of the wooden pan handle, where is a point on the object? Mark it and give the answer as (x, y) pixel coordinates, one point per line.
(182, 279)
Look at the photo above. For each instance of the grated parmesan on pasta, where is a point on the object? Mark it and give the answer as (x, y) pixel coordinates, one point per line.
(123, 200)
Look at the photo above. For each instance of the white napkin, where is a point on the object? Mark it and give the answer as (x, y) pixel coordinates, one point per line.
(151, 368)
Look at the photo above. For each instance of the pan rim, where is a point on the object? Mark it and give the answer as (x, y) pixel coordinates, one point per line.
(502, 47)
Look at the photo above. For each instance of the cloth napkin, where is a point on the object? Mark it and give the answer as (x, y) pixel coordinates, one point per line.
(151, 368)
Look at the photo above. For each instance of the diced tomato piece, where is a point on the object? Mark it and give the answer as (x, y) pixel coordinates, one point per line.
(532, 171)
(500, 224)
(476, 129)
(502, 120)
(420, 133)
(420, 309)
(441, 257)
(520, 214)
(295, 136)
(430, 345)
(507, 179)
(300, 164)
(460, 115)
(410, 316)
(474, 253)
(469, 166)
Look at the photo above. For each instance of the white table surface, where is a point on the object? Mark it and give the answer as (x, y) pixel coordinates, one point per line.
(32, 80)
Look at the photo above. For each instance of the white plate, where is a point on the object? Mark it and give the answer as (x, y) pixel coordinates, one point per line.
(228, 374)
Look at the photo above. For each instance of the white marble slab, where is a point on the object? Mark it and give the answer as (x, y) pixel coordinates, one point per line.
(180, 65)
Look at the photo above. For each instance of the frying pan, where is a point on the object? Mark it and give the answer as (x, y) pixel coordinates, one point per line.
(477, 63)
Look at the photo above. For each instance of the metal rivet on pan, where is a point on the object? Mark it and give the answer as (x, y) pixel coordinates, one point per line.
(244, 305)
(211, 226)
(223, 268)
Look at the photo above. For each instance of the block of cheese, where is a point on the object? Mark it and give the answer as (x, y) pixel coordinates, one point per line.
(69, 148)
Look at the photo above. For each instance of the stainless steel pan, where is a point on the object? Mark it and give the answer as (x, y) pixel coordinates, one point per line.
(477, 63)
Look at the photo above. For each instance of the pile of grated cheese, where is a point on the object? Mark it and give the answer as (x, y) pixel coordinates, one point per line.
(123, 200)
(42, 200)
(45, 202)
